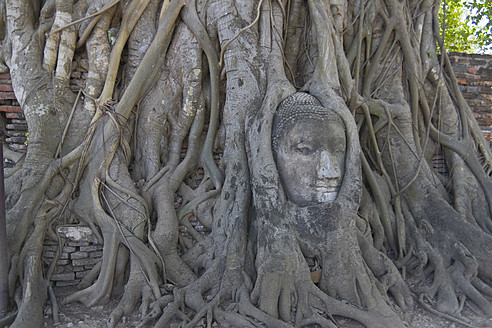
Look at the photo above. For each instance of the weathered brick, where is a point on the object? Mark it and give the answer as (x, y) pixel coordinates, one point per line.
(63, 276)
(63, 269)
(96, 254)
(78, 268)
(62, 262)
(79, 255)
(68, 283)
(69, 249)
(87, 261)
(6, 87)
(15, 114)
(77, 243)
(18, 126)
(10, 108)
(76, 233)
(17, 147)
(16, 139)
(91, 248)
(5, 95)
(472, 89)
(11, 133)
(80, 274)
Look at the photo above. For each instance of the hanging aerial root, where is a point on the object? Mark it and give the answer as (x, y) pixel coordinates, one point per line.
(63, 16)
(222, 51)
(145, 214)
(148, 69)
(192, 20)
(130, 19)
(96, 14)
(54, 304)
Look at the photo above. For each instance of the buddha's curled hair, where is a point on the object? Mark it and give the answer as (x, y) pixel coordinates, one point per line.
(296, 107)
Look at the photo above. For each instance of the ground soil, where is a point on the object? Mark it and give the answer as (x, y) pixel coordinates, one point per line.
(77, 315)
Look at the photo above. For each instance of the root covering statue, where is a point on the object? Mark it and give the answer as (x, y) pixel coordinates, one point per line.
(319, 179)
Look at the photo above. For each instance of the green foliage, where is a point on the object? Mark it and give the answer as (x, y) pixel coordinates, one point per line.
(459, 36)
(467, 25)
(480, 14)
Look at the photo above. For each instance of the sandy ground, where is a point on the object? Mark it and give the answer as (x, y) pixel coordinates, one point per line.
(77, 315)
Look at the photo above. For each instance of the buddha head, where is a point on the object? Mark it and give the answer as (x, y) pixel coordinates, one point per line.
(309, 145)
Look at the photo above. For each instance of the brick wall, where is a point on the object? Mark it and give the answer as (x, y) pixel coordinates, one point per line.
(14, 124)
(80, 252)
(474, 75)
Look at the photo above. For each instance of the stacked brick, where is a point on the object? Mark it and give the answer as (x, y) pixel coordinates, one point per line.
(79, 255)
(439, 164)
(16, 126)
(474, 75)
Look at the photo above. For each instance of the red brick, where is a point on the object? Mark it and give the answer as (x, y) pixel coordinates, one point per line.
(474, 103)
(484, 120)
(461, 81)
(7, 108)
(7, 95)
(472, 70)
(15, 114)
(472, 76)
(6, 87)
(17, 147)
(484, 83)
(5, 76)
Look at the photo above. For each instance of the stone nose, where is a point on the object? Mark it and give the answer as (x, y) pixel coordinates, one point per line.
(327, 169)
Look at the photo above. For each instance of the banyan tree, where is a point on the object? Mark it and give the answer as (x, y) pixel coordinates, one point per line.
(298, 134)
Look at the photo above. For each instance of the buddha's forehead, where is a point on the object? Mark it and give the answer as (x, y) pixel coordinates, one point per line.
(315, 130)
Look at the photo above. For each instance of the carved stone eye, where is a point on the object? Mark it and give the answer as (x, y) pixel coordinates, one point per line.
(304, 149)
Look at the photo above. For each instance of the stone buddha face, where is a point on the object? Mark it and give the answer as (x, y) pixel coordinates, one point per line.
(310, 156)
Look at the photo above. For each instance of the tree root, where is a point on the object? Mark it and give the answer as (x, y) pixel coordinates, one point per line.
(133, 294)
(54, 304)
(191, 19)
(8, 319)
(100, 291)
(157, 310)
(429, 308)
